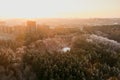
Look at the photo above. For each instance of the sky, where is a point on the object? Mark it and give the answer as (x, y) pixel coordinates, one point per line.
(59, 8)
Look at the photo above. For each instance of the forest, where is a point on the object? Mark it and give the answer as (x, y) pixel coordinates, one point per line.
(94, 54)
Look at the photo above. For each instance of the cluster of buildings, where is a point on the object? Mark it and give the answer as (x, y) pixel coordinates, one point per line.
(10, 32)
(16, 29)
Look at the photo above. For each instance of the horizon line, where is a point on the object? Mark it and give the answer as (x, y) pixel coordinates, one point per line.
(63, 18)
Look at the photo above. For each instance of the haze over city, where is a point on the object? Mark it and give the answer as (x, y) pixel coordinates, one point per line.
(59, 39)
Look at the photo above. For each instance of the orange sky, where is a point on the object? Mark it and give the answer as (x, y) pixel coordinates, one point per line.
(59, 8)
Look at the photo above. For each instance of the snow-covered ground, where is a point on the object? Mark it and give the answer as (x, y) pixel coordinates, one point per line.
(66, 49)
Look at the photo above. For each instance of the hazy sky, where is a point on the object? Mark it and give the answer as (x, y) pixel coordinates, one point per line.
(59, 8)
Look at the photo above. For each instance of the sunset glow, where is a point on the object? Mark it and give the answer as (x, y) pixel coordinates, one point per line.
(59, 8)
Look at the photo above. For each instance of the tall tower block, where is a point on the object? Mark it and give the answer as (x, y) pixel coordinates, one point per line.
(31, 26)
